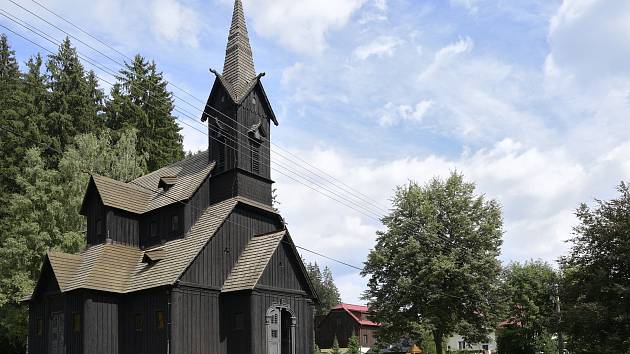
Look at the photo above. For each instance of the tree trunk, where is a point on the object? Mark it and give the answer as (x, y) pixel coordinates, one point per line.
(437, 338)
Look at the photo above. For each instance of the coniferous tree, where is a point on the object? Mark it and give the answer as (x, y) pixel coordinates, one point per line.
(353, 345)
(325, 288)
(141, 99)
(75, 100)
(335, 347)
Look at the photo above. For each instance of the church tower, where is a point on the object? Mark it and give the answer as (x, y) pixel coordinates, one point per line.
(239, 118)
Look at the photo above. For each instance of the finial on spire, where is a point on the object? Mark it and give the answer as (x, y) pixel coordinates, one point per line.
(238, 68)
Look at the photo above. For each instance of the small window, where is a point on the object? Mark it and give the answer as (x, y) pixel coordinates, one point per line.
(174, 223)
(160, 320)
(365, 339)
(154, 229)
(76, 322)
(39, 326)
(253, 100)
(239, 321)
(99, 227)
(274, 333)
(138, 322)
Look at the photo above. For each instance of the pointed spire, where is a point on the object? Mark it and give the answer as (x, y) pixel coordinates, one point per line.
(238, 68)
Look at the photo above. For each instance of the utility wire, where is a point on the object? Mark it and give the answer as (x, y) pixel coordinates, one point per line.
(377, 218)
(48, 146)
(206, 211)
(370, 205)
(363, 210)
(328, 177)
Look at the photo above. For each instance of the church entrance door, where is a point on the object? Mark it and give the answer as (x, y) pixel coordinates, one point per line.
(280, 323)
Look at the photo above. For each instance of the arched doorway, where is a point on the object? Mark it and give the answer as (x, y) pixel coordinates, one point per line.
(280, 323)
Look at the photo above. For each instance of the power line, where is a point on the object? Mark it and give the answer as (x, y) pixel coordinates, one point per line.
(48, 146)
(209, 127)
(328, 177)
(363, 210)
(370, 206)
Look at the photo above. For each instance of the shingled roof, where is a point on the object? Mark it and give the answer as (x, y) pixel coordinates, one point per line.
(144, 194)
(238, 68)
(120, 269)
(252, 262)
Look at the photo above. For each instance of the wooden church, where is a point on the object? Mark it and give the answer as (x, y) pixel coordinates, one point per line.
(191, 258)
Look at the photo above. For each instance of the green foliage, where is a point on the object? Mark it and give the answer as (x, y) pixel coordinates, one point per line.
(435, 267)
(325, 287)
(529, 316)
(45, 215)
(335, 347)
(58, 104)
(596, 286)
(353, 345)
(316, 349)
(74, 101)
(140, 99)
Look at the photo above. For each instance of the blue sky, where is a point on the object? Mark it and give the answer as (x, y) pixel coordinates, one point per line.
(529, 99)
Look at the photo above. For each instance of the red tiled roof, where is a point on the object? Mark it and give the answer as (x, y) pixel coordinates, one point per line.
(349, 308)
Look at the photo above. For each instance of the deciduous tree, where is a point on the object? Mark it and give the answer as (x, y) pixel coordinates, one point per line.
(435, 266)
(596, 282)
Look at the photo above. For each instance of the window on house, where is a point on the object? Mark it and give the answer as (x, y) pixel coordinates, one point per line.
(239, 321)
(461, 345)
(99, 227)
(137, 319)
(76, 322)
(255, 157)
(160, 319)
(39, 326)
(153, 229)
(174, 223)
(365, 339)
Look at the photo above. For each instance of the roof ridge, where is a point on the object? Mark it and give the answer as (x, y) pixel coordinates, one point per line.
(174, 164)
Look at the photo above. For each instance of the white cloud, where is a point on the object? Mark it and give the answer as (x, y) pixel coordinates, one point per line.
(383, 46)
(538, 190)
(470, 5)
(301, 26)
(446, 54)
(392, 114)
(173, 21)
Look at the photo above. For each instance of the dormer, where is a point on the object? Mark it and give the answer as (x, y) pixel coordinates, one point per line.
(166, 182)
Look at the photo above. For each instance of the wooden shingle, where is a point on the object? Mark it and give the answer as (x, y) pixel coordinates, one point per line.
(252, 262)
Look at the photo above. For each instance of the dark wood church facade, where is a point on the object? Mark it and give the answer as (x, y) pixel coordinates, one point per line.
(191, 258)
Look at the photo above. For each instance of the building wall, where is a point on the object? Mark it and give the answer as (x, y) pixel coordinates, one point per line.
(283, 272)
(123, 227)
(100, 323)
(218, 257)
(195, 321)
(144, 337)
(95, 211)
(302, 308)
(338, 323)
(163, 219)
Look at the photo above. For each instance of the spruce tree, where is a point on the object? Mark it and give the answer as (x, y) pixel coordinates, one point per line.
(140, 99)
(75, 99)
(335, 347)
(353, 345)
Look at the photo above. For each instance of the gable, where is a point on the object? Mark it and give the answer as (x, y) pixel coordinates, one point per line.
(222, 91)
(47, 281)
(284, 271)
